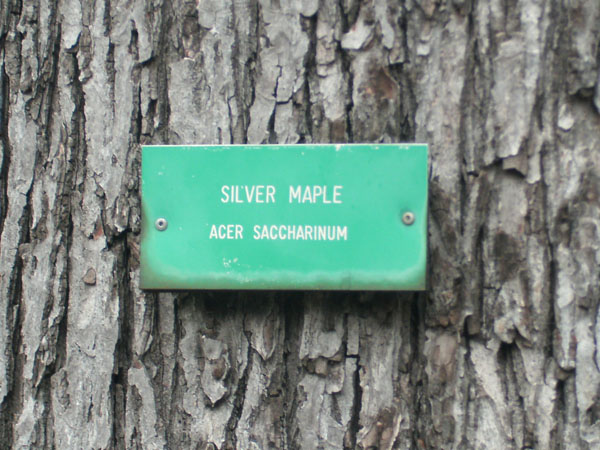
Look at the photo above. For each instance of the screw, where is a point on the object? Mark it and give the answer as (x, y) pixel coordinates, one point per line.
(161, 224)
(408, 218)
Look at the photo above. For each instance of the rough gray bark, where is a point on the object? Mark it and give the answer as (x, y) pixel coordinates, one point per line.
(500, 352)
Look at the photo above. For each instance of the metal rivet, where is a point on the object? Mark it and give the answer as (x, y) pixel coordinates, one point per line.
(161, 224)
(408, 218)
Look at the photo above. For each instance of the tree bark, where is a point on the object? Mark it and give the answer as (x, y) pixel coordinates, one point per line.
(500, 352)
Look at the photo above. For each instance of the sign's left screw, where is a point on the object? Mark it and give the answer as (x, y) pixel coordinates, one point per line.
(161, 224)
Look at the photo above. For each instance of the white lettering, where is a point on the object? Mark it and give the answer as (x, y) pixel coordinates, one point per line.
(225, 191)
(299, 232)
(270, 194)
(331, 233)
(337, 194)
(248, 194)
(325, 200)
(307, 197)
(309, 231)
(315, 194)
(322, 233)
(295, 194)
(265, 233)
(259, 194)
(318, 192)
(266, 194)
(226, 231)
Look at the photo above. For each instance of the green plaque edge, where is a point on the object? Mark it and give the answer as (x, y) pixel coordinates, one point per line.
(413, 279)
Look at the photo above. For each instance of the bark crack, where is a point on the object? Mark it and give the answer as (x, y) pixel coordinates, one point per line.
(124, 355)
(346, 59)
(238, 401)
(11, 406)
(354, 423)
(6, 156)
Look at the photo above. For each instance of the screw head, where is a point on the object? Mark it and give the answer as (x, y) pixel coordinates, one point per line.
(408, 218)
(161, 224)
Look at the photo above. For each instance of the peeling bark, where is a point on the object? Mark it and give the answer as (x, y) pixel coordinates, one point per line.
(500, 352)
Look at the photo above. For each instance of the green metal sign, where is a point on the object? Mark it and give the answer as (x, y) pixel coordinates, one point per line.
(339, 217)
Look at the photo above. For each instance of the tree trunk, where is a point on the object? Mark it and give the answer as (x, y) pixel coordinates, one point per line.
(500, 352)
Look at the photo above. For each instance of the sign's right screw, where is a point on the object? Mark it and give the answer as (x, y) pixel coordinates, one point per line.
(408, 218)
